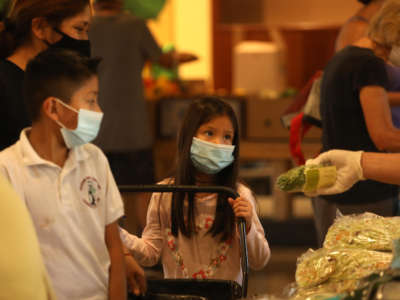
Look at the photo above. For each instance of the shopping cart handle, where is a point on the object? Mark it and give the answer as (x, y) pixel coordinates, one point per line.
(168, 188)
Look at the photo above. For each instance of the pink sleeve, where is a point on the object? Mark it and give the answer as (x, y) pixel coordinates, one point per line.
(258, 248)
(147, 250)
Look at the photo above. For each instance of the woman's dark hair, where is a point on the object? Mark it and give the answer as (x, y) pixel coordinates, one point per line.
(202, 111)
(18, 22)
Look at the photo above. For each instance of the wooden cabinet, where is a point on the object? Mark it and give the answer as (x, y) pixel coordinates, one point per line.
(308, 46)
(264, 122)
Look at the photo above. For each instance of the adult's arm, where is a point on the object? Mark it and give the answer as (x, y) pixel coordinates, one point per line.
(171, 59)
(152, 51)
(353, 166)
(383, 167)
(394, 98)
(378, 119)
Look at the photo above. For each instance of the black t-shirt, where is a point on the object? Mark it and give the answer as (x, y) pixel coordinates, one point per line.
(14, 116)
(343, 123)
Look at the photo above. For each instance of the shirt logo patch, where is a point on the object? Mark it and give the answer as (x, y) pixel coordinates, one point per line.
(90, 190)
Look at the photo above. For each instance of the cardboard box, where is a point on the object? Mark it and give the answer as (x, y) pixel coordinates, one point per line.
(263, 120)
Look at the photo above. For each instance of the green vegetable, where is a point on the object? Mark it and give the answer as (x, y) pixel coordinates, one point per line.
(307, 178)
(293, 180)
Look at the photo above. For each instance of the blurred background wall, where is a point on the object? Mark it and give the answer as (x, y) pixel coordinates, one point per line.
(192, 25)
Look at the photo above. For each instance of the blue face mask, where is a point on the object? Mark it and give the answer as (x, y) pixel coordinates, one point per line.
(87, 129)
(210, 158)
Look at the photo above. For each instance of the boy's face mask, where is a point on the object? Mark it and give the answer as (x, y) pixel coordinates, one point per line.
(67, 42)
(211, 158)
(88, 127)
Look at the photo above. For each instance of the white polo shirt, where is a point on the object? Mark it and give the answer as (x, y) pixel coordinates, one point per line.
(70, 209)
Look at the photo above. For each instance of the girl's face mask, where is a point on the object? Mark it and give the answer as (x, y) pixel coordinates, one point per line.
(210, 158)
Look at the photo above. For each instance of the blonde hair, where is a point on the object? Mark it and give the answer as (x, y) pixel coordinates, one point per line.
(384, 28)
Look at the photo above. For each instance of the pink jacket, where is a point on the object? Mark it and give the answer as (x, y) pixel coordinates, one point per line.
(201, 256)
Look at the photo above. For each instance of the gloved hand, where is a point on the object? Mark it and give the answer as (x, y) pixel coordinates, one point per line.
(348, 169)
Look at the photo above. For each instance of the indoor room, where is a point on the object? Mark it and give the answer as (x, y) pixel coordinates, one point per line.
(199, 149)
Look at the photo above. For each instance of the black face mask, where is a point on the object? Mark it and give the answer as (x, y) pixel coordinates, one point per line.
(67, 42)
(365, 2)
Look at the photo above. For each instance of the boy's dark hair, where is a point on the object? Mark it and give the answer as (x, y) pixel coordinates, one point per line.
(55, 73)
(202, 111)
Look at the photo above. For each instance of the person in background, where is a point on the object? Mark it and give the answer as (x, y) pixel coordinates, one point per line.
(22, 272)
(65, 181)
(195, 234)
(126, 44)
(356, 26)
(30, 27)
(356, 116)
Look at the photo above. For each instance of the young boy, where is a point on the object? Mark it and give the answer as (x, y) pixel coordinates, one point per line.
(65, 182)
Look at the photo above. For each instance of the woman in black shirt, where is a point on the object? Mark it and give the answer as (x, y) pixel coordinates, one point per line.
(30, 27)
(356, 115)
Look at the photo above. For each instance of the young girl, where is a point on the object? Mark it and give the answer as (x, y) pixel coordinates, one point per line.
(195, 234)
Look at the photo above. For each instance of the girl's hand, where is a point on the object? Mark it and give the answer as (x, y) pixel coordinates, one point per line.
(135, 275)
(242, 208)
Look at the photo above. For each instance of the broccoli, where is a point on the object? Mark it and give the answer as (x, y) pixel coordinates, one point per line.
(293, 180)
(307, 178)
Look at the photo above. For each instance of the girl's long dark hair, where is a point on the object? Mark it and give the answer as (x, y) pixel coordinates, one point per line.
(202, 111)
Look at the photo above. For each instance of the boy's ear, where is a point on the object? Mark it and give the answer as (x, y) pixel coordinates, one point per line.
(50, 108)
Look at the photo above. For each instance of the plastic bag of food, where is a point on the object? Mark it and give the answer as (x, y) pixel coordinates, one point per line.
(365, 231)
(307, 178)
(328, 290)
(335, 290)
(318, 266)
(393, 225)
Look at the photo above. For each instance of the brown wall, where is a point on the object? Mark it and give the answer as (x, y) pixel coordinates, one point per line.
(310, 11)
(308, 29)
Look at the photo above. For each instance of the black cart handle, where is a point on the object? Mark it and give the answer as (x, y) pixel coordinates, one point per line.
(167, 188)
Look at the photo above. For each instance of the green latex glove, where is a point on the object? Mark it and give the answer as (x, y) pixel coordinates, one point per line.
(145, 9)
